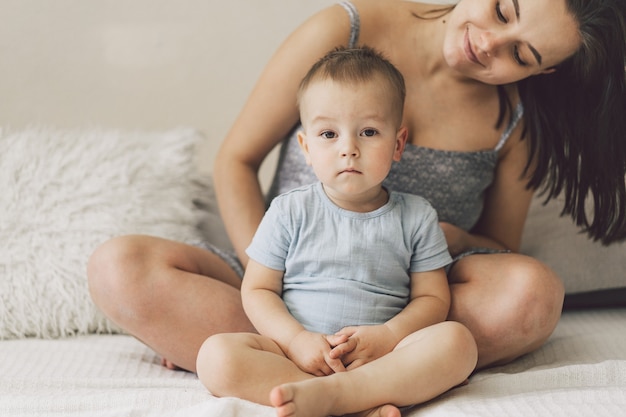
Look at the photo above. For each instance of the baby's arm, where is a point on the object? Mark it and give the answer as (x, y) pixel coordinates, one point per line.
(261, 295)
(429, 304)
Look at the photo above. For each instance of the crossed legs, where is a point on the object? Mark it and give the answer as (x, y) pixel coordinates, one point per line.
(424, 365)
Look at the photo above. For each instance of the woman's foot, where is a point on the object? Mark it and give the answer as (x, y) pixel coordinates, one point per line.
(170, 365)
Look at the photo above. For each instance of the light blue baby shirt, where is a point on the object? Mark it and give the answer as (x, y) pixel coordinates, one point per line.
(344, 268)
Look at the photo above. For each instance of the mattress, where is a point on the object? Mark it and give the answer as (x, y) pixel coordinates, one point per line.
(580, 371)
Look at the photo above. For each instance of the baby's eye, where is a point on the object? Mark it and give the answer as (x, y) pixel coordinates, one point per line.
(369, 132)
(501, 16)
(329, 134)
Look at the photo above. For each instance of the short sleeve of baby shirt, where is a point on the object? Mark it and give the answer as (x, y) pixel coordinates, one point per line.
(430, 249)
(270, 243)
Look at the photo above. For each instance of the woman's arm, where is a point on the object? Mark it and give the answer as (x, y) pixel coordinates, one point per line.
(268, 115)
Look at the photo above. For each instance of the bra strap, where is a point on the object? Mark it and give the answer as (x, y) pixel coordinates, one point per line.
(518, 112)
(355, 22)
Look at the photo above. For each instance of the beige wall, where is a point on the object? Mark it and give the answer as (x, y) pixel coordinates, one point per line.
(148, 64)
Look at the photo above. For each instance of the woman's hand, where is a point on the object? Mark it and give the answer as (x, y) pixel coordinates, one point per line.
(460, 241)
(363, 344)
(456, 237)
(311, 352)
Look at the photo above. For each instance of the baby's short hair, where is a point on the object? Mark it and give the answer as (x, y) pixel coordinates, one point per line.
(357, 65)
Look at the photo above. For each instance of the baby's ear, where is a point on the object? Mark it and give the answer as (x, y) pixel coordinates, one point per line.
(304, 147)
(401, 138)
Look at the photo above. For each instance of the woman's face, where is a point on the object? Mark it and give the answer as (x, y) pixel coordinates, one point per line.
(503, 41)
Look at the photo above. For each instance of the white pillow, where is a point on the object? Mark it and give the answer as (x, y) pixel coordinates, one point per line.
(64, 192)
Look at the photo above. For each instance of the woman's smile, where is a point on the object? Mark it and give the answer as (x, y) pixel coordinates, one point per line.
(469, 51)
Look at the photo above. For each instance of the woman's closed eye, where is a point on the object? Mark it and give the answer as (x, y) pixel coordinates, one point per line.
(517, 57)
(501, 16)
(516, 54)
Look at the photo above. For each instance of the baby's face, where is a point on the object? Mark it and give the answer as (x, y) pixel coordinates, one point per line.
(351, 136)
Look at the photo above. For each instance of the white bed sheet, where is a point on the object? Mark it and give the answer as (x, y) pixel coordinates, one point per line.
(581, 371)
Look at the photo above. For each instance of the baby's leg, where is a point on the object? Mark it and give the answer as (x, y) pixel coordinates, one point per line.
(245, 365)
(424, 365)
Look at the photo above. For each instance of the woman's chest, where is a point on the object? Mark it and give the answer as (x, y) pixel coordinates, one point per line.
(440, 117)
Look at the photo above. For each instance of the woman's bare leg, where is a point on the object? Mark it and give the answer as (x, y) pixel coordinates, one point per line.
(511, 303)
(169, 295)
(423, 366)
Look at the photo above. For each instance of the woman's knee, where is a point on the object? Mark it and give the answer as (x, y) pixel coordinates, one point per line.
(511, 303)
(115, 270)
(538, 295)
(517, 291)
(534, 308)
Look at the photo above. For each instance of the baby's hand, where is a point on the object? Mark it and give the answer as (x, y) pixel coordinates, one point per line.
(311, 353)
(364, 344)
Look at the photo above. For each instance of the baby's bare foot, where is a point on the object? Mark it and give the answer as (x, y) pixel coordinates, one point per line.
(294, 400)
(306, 399)
(386, 410)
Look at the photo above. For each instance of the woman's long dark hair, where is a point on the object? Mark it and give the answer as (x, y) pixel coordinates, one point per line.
(575, 122)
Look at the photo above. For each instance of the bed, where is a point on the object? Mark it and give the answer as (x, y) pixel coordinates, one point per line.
(581, 371)
(110, 127)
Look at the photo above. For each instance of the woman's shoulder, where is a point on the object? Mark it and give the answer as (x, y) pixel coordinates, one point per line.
(378, 14)
(395, 5)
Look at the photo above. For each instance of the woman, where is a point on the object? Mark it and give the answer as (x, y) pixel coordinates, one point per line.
(474, 151)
